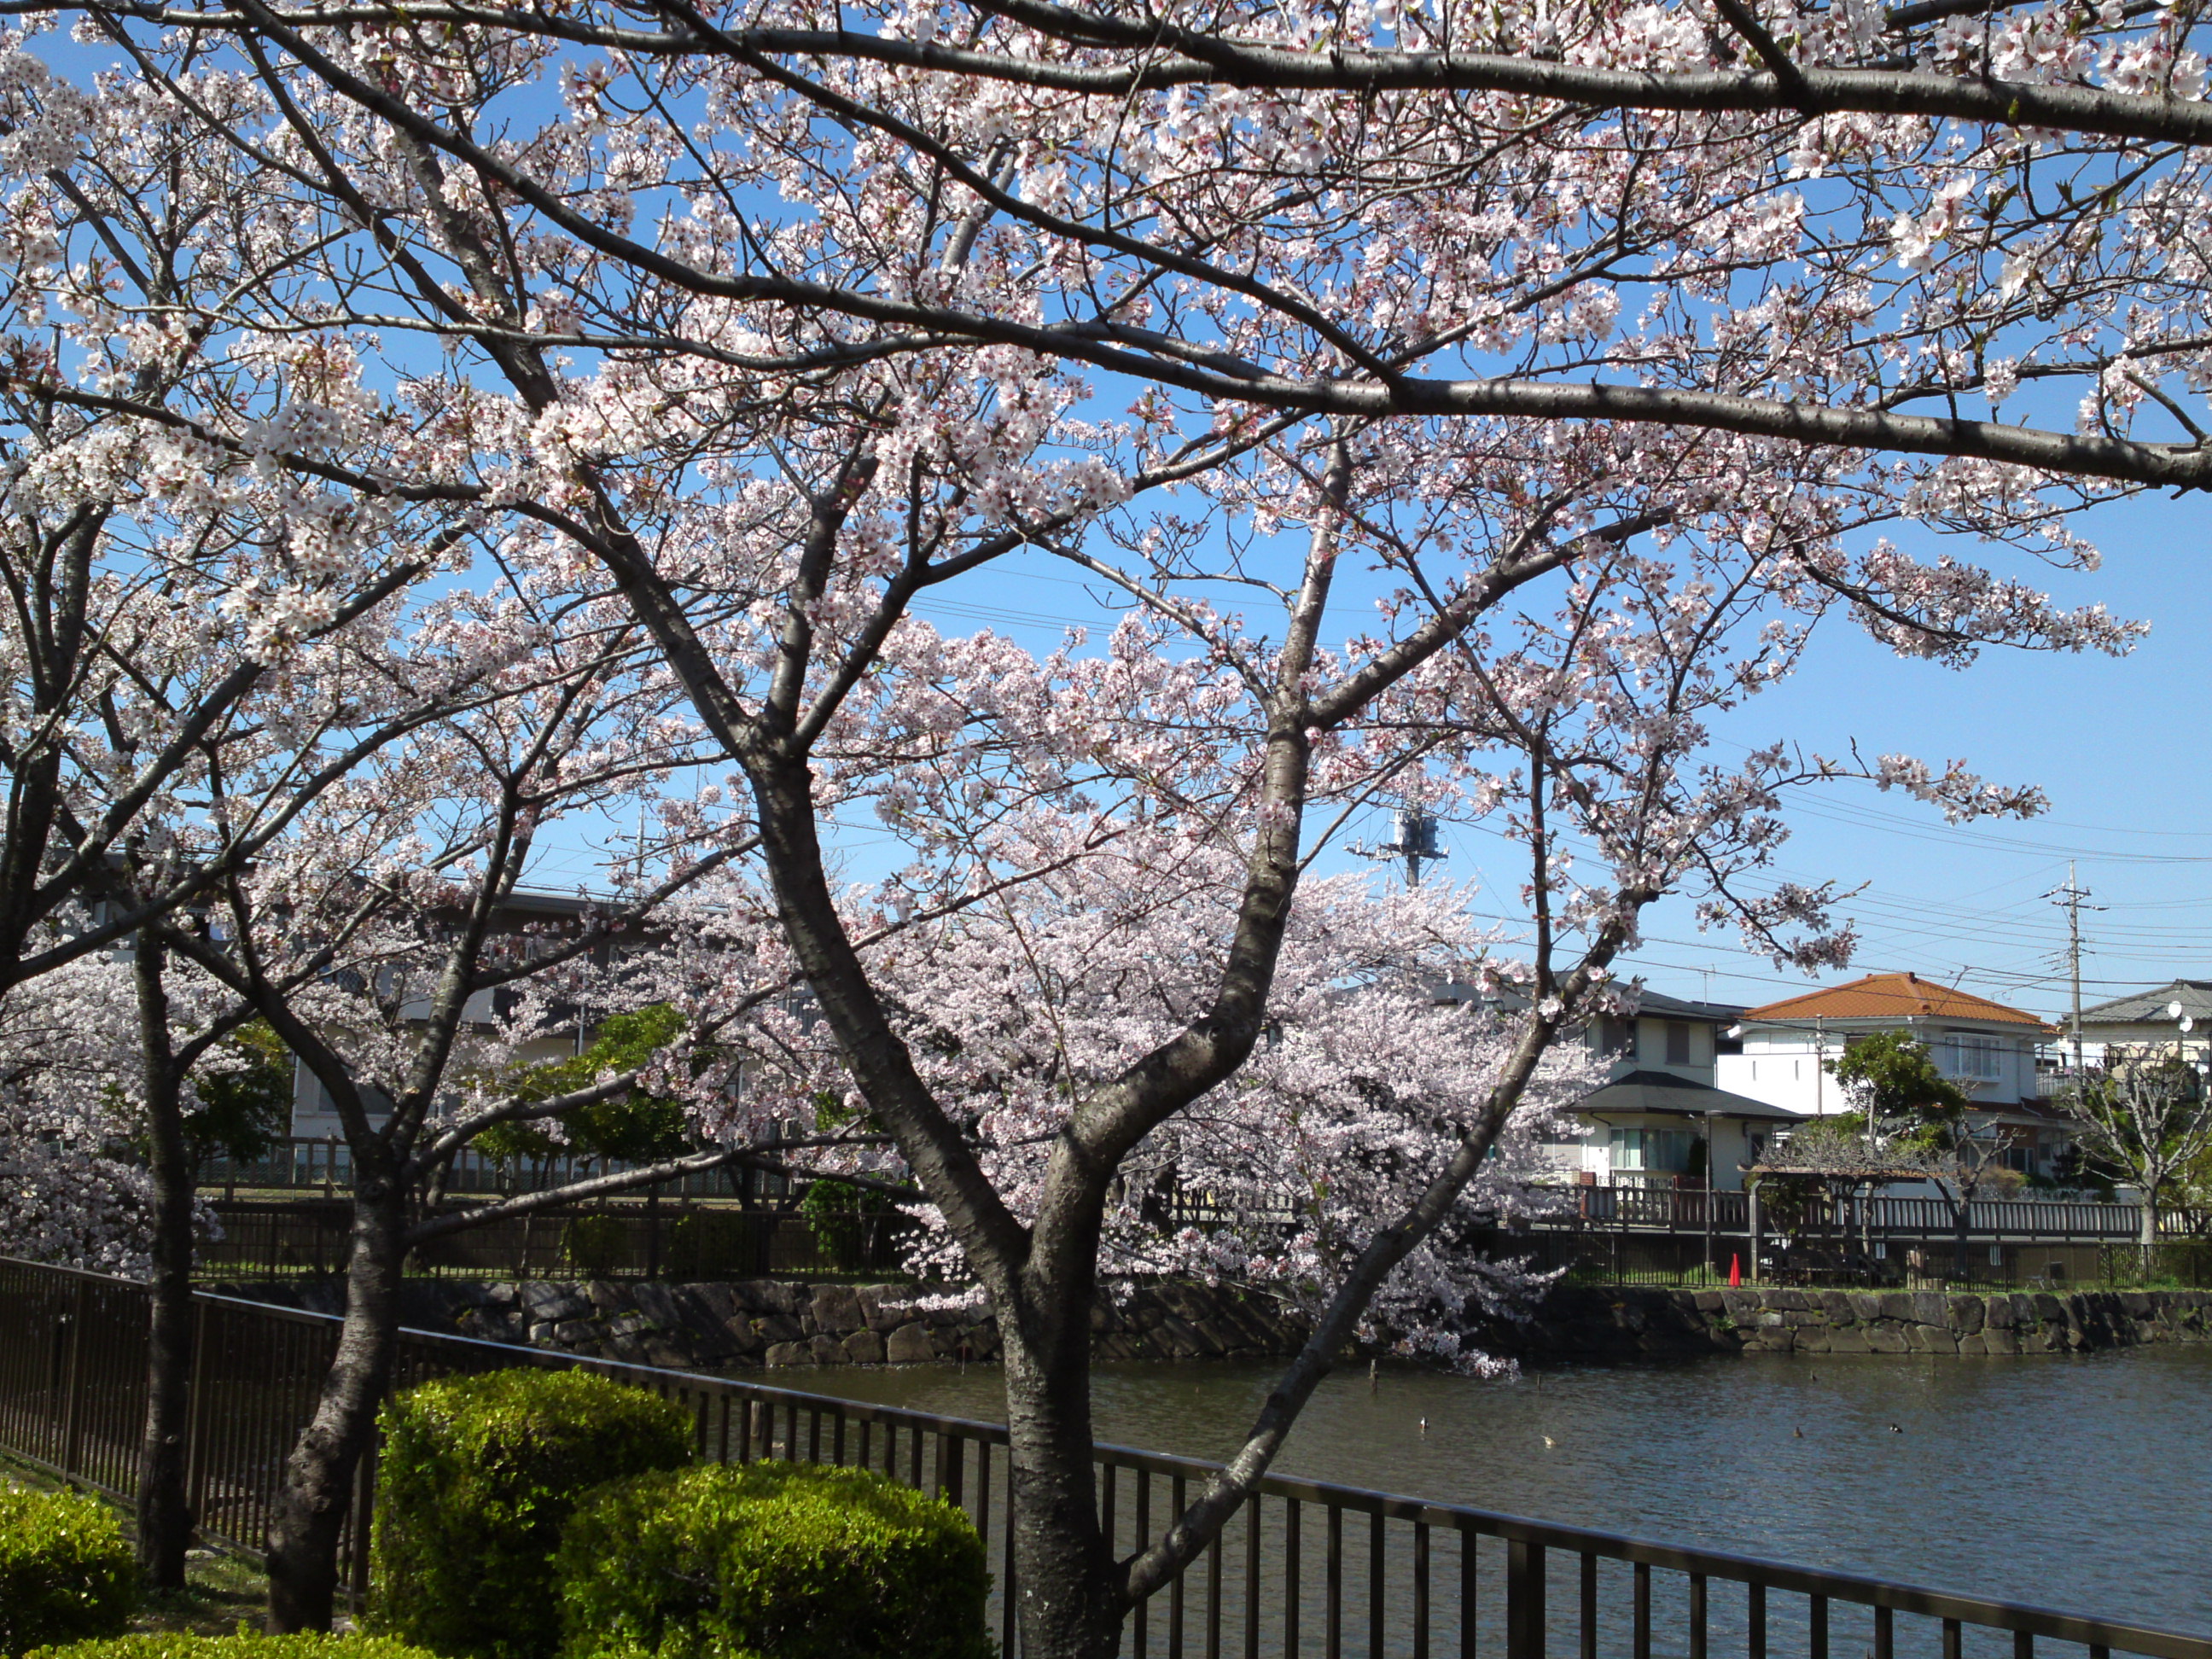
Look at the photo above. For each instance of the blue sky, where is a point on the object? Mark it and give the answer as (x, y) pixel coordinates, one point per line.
(2117, 744)
(2113, 742)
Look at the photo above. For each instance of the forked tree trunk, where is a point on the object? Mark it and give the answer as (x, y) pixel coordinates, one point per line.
(164, 1513)
(313, 1500)
(1068, 1593)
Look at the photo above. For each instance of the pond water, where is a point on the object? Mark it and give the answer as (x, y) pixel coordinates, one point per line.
(2083, 1484)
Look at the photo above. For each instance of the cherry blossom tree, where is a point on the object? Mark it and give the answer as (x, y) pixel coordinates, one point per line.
(68, 1195)
(2147, 1123)
(1018, 1006)
(1592, 344)
(163, 577)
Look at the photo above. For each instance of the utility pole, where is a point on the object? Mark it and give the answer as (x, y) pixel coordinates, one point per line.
(1413, 838)
(2069, 898)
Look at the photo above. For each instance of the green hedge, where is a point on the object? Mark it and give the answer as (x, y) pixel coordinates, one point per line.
(794, 1561)
(244, 1645)
(66, 1571)
(476, 1476)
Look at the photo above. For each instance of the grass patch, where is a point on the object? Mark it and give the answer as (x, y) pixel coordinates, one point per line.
(222, 1590)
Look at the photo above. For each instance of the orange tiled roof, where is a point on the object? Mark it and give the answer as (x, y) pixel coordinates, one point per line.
(1891, 996)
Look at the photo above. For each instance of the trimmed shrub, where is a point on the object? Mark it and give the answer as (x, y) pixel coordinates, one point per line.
(66, 1571)
(716, 1245)
(779, 1560)
(595, 1244)
(476, 1476)
(244, 1645)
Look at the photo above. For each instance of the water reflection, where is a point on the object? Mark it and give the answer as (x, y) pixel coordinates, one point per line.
(2073, 1483)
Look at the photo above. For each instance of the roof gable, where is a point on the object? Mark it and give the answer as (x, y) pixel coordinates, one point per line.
(2148, 1007)
(1892, 996)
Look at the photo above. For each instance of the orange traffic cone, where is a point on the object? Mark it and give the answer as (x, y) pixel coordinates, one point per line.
(1736, 1271)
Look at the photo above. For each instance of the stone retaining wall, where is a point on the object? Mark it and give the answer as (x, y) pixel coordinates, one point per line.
(718, 1326)
(1642, 1322)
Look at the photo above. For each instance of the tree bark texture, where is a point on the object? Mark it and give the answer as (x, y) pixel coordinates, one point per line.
(1069, 1591)
(309, 1515)
(164, 1511)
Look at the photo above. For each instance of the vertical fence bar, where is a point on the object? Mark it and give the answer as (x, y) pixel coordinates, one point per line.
(1420, 1589)
(1953, 1640)
(1377, 1588)
(1643, 1639)
(1697, 1615)
(2023, 1644)
(1252, 1577)
(1524, 1599)
(1754, 1622)
(1213, 1599)
(1333, 1645)
(1291, 1546)
(1885, 1633)
(1588, 1610)
(1175, 1585)
(1816, 1634)
(73, 1379)
(1470, 1591)
(1144, 1537)
(1011, 1641)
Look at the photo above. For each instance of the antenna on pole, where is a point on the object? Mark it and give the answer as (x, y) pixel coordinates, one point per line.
(2068, 898)
(1413, 838)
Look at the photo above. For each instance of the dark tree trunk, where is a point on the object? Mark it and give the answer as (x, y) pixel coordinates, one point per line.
(1068, 1588)
(317, 1491)
(165, 1516)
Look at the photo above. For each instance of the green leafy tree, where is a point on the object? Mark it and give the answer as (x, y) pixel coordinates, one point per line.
(633, 1129)
(245, 1099)
(1910, 1121)
(1892, 1078)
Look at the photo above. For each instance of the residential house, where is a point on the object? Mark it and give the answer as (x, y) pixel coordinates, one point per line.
(1660, 1120)
(1987, 1049)
(2175, 1020)
(529, 922)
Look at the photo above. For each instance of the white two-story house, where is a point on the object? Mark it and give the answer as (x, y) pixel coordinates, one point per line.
(1987, 1049)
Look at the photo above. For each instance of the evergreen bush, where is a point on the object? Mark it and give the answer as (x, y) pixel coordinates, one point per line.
(66, 1571)
(595, 1244)
(244, 1645)
(476, 1476)
(778, 1560)
(714, 1244)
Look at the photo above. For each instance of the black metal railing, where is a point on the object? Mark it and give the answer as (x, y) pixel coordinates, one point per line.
(278, 1239)
(324, 1163)
(1304, 1568)
(1693, 1209)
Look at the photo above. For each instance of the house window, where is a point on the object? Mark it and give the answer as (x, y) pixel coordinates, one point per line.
(1657, 1151)
(1678, 1043)
(1974, 1056)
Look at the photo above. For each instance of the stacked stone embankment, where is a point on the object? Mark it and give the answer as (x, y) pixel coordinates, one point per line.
(779, 1323)
(770, 1322)
(1588, 1323)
